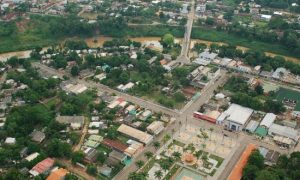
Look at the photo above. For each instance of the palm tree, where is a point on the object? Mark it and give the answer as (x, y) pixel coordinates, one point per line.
(148, 154)
(156, 144)
(158, 174)
(139, 163)
(176, 155)
(139, 176)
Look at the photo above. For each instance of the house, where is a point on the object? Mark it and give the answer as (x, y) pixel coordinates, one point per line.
(37, 136)
(120, 157)
(115, 145)
(268, 120)
(280, 73)
(251, 126)
(155, 127)
(134, 148)
(145, 115)
(24, 152)
(75, 88)
(90, 155)
(236, 117)
(105, 170)
(32, 156)
(58, 174)
(76, 122)
(10, 141)
(270, 156)
(281, 134)
(42, 167)
(135, 134)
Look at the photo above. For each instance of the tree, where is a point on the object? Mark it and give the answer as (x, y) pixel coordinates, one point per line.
(210, 21)
(249, 172)
(179, 97)
(176, 155)
(256, 159)
(259, 89)
(266, 175)
(158, 174)
(75, 71)
(77, 157)
(156, 144)
(168, 40)
(101, 157)
(139, 163)
(148, 154)
(91, 169)
(138, 176)
(57, 148)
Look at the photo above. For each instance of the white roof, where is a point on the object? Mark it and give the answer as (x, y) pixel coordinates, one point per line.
(238, 114)
(10, 140)
(276, 129)
(32, 156)
(155, 127)
(95, 124)
(130, 108)
(135, 133)
(268, 120)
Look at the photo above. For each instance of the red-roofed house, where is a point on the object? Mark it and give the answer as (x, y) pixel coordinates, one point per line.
(116, 145)
(42, 167)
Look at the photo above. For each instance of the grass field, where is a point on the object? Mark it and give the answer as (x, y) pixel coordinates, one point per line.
(290, 94)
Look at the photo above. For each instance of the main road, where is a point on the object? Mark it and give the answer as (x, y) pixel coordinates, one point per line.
(185, 47)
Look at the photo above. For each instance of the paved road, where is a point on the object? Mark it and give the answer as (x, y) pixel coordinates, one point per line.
(185, 47)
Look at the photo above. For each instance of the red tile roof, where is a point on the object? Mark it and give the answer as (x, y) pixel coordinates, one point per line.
(44, 165)
(117, 145)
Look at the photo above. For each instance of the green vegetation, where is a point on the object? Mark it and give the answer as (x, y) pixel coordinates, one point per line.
(217, 158)
(252, 98)
(285, 168)
(235, 40)
(172, 172)
(41, 31)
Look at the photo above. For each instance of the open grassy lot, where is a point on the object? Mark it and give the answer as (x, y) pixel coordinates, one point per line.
(289, 94)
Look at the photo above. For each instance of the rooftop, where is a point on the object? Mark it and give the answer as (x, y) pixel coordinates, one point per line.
(238, 114)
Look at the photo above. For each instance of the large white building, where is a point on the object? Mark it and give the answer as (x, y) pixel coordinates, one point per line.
(236, 117)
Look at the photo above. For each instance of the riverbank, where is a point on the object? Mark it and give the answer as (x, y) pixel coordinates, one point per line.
(98, 41)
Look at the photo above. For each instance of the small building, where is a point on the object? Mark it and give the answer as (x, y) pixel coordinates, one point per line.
(145, 115)
(42, 167)
(37, 136)
(32, 156)
(251, 126)
(90, 155)
(76, 122)
(155, 127)
(280, 73)
(10, 140)
(105, 170)
(120, 157)
(268, 120)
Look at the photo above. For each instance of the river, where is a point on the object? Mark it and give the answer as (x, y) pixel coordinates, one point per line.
(99, 40)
